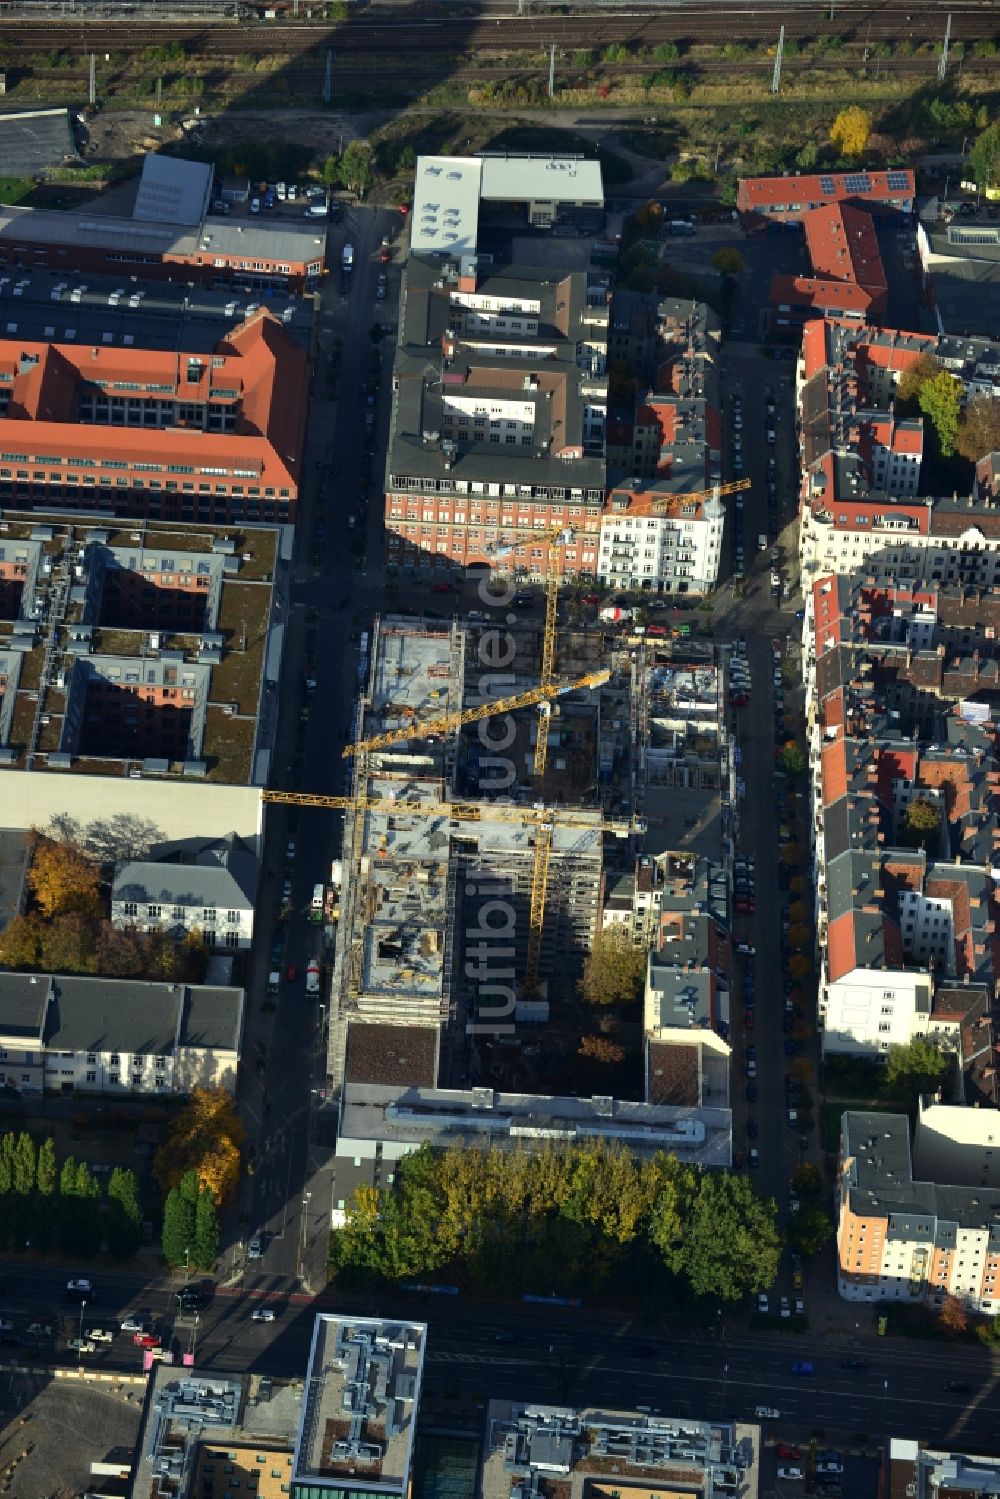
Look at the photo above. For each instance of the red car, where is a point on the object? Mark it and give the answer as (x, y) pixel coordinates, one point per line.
(748, 1019)
(384, 254)
(291, 973)
(656, 629)
(590, 598)
(440, 588)
(784, 1450)
(404, 208)
(146, 1340)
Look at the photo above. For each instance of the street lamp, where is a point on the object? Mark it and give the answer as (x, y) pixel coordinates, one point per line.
(79, 1351)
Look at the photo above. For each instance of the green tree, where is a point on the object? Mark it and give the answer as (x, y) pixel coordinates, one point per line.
(89, 1217)
(179, 1212)
(124, 1214)
(984, 157)
(614, 972)
(331, 171)
(731, 1244)
(356, 171)
(918, 1067)
(912, 380)
(46, 1174)
(940, 399)
(728, 261)
(24, 1164)
(807, 158)
(979, 429)
(206, 1230)
(809, 1230)
(791, 760)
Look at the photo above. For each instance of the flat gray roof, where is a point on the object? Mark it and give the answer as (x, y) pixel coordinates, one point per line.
(445, 215)
(558, 179)
(270, 241)
(172, 190)
(23, 998)
(33, 139)
(191, 320)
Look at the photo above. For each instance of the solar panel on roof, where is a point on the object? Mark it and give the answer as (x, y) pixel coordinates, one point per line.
(827, 185)
(898, 182)
(858, 182)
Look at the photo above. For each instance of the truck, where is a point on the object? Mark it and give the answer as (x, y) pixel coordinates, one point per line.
(312, 978)
(317, 903)
(273, 981)
(347, 258)
(613, 615)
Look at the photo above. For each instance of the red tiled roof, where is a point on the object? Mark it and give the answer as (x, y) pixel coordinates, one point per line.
(760, 192)
(265, 367)
(842, 246)
(820, 295)
(840, 946)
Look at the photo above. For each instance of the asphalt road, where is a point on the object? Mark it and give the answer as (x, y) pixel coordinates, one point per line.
(477, 1349)
(287, 1201)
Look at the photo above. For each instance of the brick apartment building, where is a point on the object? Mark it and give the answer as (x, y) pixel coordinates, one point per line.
(498, 418)
(170, 436)
(902, 1239)
(286, 256)
(847, 278)
(787, 200)
(860, 463)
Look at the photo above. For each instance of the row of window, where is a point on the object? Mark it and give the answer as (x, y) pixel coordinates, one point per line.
(209, 915)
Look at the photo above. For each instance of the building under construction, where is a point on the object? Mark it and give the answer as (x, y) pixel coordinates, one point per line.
(466, 906)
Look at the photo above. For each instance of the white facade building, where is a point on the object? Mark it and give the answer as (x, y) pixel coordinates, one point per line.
(211, 891)
(646, 545)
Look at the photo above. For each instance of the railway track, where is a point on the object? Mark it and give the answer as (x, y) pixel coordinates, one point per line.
(313, 77)
(870, 23)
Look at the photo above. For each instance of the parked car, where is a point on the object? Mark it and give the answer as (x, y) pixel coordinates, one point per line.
(957, 1387)
(262, 1314)
(40, 1329)
(762, 1302)
(788, 1452)
(80, 1287)
(133, 1323)
(767, 1413)
(146, 1340)
(803, 1368)
(786, 1310)
(82, 1345)
(100, 1335)
(791, 1473)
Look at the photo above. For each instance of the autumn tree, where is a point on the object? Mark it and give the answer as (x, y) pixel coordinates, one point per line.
(797, 884)
(798, 936)
(953, 1317)
(728, 261)
(912, 380)
(22, 941)
(940, 399)
(798, 911)
(790, 855)
(850, 130)
(206, 1138)
(613, 973)
(922, 820)
(979, 428)
(63, 878)
(801, 1069)
(600, 1049)
(806, 1179)
(799, 966)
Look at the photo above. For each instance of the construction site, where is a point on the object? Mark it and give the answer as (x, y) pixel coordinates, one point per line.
(487, 811)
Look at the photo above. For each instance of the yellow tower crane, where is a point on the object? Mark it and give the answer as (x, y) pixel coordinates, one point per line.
(444, 723)
(663, 504)
(543, 819)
